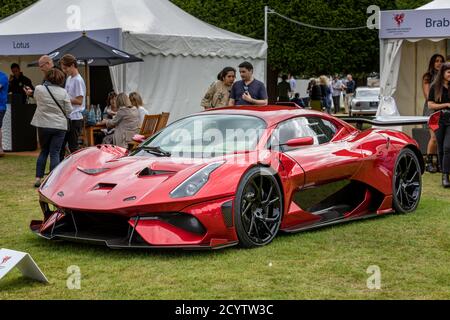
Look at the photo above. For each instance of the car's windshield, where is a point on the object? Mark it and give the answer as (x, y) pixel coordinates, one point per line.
(367, 93)
(205, 136)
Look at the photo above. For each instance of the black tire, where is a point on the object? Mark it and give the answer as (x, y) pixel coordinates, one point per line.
(406, 182)
(258, 208)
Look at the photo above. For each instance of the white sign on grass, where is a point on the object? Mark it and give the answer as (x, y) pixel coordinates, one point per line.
(10, 259)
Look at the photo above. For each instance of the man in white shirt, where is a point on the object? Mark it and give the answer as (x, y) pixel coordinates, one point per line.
(337, 92)
(76, 88)
(293, 84)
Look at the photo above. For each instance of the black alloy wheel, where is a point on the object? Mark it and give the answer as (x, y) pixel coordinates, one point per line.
(407, 182)
(258, 208)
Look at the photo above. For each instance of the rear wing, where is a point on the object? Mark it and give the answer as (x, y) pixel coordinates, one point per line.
(386, 121)
(288, 104)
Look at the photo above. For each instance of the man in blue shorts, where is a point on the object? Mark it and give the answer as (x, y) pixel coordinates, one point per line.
(4, 82)
(248, 91)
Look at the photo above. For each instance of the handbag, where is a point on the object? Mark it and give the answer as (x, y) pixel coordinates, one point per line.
(433, 123)
(62, 110)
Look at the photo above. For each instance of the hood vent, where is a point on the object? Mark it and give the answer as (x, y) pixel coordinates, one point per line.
(147, 172)
(104, 186)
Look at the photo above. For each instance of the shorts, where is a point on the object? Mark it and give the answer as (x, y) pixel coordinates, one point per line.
(2, 115)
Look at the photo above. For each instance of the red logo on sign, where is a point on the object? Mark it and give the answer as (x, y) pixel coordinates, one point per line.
(5, 260)
(399, 19)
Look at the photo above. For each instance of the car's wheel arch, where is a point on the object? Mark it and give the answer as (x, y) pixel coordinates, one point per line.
(418, 154)
(276, 176)
(271, 169)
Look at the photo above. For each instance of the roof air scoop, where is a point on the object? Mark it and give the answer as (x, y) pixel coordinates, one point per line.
(93, 172)
(147, 172)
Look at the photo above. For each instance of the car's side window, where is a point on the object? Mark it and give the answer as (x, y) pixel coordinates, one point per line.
(321, 130)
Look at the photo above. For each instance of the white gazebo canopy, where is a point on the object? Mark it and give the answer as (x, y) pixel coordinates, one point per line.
(408, 39)
(182, 54)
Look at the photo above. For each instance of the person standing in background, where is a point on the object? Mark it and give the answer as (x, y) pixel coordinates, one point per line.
(45, 64)
(326, 93)
(315, 96)
(337, 92)
(248, 91)
(283, 89)
(434, 66)
(439, 100)
(4, 83)
(349, 87)
(293, 84)
(76, 88)
(18, 83)
(218, 94)
(51, 120)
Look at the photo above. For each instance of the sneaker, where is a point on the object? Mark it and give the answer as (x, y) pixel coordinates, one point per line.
(430, 168)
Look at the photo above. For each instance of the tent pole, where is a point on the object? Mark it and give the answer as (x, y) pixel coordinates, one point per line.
(416, 106)
(88, 84)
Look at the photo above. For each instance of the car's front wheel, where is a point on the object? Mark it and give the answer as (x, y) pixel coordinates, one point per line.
(258, 208)
(407, 182)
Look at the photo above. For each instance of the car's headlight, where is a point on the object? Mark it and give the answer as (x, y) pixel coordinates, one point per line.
(194, 183)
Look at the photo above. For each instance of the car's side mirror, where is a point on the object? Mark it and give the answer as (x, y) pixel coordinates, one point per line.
(299, 142)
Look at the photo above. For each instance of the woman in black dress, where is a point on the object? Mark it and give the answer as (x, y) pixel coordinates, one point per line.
(439, 101)
(435, 64)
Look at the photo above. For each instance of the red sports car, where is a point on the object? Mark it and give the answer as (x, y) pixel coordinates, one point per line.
(232, 176)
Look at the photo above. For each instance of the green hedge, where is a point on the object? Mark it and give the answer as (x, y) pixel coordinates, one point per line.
(301, 50)
(293, 48)
(9, 7)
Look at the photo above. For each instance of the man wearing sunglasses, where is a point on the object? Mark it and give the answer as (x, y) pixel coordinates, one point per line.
(45, 64)
(248, 91)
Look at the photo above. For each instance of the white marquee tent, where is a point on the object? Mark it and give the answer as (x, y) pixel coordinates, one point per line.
(182, 54)
(408, 40)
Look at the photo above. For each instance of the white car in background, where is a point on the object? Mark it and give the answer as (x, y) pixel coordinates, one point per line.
(365, 101)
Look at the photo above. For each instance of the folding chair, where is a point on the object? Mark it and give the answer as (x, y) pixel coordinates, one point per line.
(148, 128)
(162, 123)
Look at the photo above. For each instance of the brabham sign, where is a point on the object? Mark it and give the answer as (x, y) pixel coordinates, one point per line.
(408, 24)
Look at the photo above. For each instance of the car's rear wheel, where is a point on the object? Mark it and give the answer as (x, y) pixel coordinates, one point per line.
(258, 208)
(407, 182)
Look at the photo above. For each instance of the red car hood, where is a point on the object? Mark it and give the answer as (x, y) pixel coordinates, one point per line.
(89, 181)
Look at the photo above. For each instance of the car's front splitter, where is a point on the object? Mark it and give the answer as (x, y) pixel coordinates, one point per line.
(124, 244)
(207, 225)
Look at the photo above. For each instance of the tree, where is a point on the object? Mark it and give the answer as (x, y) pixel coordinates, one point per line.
(9, 7)
(301, 50)
(411, 4)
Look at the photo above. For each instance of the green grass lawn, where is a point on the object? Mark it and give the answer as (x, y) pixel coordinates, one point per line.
(413, 252)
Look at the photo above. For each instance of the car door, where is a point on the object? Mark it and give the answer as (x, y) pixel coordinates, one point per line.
(328, 164)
